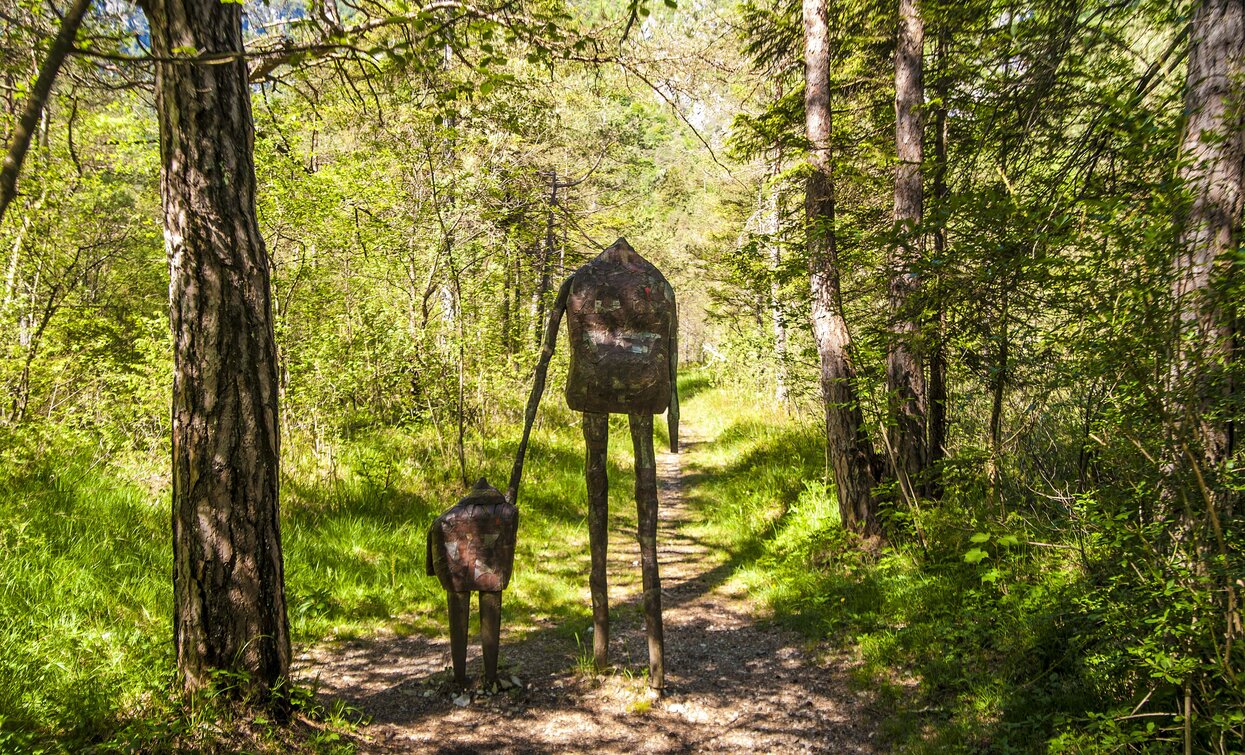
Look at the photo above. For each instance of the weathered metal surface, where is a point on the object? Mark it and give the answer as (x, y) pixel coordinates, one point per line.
(596, 436)
(620, 314)
(459, 604)
(471, 546)
(646, 511)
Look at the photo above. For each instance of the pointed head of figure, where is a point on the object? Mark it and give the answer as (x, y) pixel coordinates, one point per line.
(620, 312)
(622, 253)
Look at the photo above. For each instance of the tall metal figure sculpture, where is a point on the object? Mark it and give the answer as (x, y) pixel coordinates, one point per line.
(623, 333)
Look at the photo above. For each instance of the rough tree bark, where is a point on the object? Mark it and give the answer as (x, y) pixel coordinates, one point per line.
(851, 454)
(1213, 168)
(905, 372)
(228, 576)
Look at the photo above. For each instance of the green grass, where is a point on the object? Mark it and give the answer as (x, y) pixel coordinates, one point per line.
(84, 600)
(960, 657)
(1022, 652)
(85, 563)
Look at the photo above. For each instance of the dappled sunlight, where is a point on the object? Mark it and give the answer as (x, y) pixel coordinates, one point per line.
(731, 683)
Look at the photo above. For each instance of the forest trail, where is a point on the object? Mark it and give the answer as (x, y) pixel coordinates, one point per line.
(734, 684)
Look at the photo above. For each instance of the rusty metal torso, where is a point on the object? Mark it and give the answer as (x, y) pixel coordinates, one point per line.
(620, 316)
(471, 546)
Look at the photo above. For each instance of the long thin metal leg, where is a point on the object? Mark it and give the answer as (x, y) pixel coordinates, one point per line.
(490, 633)
(646, 506)
(460, 613)
(596, 435)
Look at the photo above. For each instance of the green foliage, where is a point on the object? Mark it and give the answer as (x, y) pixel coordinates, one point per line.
(1073, 584)
(987, 635)
(85, 639)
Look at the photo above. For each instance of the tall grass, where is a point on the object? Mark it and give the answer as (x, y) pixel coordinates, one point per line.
(85, 598)
(961, 657)
(1011, 653)
(86, 565)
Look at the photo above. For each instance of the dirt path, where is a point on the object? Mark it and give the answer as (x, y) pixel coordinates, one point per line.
(733, 684)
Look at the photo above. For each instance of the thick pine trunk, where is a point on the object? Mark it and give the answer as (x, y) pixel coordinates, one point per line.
(851, 454)
(228, 580)
(905, 372)
(1213, 168)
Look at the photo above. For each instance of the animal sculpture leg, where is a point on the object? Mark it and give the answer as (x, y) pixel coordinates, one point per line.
(460, 613)
(490, 633)
(596, 435)
(646, 505)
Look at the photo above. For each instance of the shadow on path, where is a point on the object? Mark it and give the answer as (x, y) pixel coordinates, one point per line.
(734, 684)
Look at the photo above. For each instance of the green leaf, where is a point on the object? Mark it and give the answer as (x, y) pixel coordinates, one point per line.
(975, 556)
(1009, 541)
(979, 537)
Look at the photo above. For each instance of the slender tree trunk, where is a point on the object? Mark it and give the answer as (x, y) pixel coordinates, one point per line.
(905, 373)
(228, 576)
(998, 392)
(774, 225)
(21, 392)
(516, 279)
(541, 294)
(851, 454)
(938, 354)
(1213, 168)
(34, 113)
(773, 232)
(506, 346)
(15, 258)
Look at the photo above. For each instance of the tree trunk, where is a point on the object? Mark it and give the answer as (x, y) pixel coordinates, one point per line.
(507, 269)
(998, 391)
(773, 233)
(541, 294)
(228, 580)
(34, 112)
(938, 354)
(851, 454)
(905, 373)
(1213, 169)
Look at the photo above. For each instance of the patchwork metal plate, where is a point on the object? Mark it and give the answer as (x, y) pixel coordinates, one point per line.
(620, 315)
(471, 546)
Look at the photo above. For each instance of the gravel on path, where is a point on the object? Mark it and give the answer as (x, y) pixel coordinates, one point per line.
(734, 683)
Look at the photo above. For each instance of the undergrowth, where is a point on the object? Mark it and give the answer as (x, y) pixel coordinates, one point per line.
(85, 570)
(975, 629)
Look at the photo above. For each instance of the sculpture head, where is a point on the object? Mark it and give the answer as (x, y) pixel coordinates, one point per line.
(620, 314)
